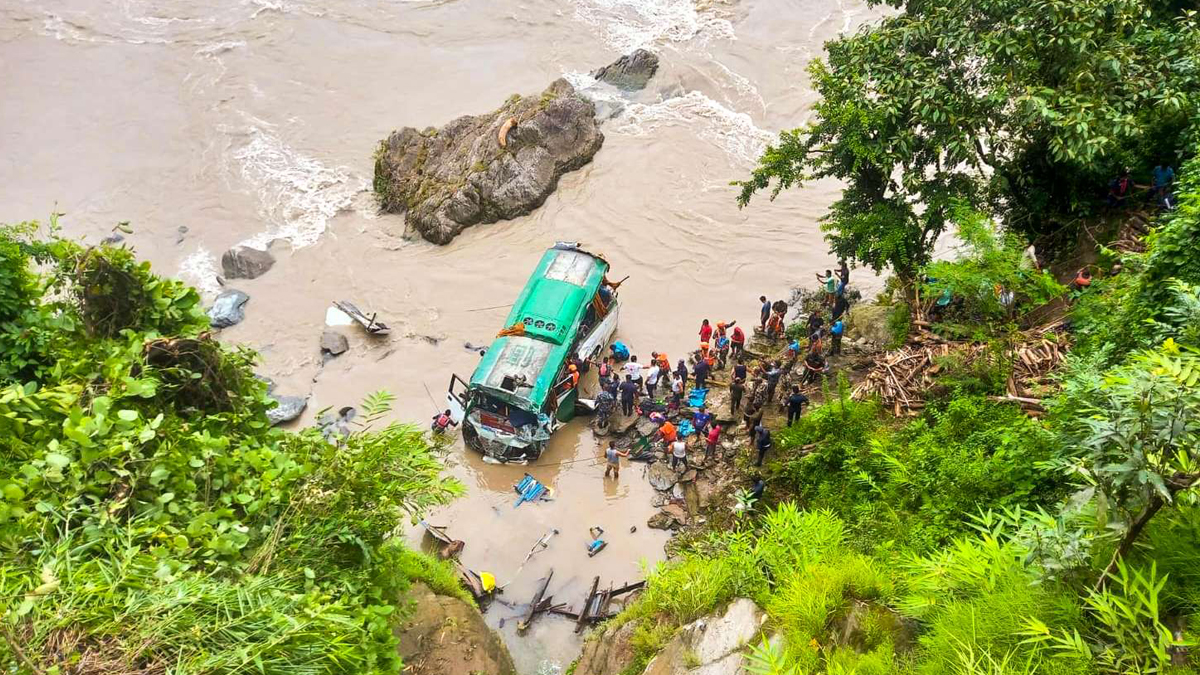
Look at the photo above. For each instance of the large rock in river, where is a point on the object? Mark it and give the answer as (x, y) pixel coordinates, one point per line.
(630, 72)
(485, 168)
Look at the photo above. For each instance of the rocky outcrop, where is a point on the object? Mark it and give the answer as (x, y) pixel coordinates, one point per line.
(243, 262)
(869, 322)
(446, 636)
(712, 645)
(607, 652)
(228, 309)
(485, 168)
(630, 72)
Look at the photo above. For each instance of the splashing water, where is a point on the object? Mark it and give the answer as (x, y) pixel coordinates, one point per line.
(732, 131)
(629, 24)
(298, 194)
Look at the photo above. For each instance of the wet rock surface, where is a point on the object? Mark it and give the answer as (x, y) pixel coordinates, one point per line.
(228, 309)
(630, 72)
(289, 408)
(333, 343)
(243, 262)
(485, 168)
(446, 636)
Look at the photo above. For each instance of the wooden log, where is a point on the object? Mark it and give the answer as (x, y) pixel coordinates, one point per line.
(523, 624)
(587, 605)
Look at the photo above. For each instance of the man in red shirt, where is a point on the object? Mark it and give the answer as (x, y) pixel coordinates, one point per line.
(737, 341)
(705, 331)
(714, 437)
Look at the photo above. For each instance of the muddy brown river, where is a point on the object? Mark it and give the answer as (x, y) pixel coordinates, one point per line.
(209, 123)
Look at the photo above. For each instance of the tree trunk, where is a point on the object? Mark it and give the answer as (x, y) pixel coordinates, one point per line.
(1135, 530)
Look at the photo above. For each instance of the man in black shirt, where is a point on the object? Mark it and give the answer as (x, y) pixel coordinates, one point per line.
(736, 389)
(795, 403)
(700, 372)
(628, 390)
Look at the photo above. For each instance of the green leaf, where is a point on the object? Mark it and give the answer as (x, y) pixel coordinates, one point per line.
(127, 414)
(57, 460)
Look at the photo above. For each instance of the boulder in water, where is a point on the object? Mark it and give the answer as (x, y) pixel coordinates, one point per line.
(333, 343)
(485, 168)
(243, 262)
(630, 72)
(289, 408)
(661, 477)
(228, 309)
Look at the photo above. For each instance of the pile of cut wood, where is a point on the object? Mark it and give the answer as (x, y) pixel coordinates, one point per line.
(901, 378)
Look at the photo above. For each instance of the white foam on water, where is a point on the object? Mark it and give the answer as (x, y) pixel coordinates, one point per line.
(732, 131)
(629, 24)
(216, 48)
(200, 268)
(298, 195)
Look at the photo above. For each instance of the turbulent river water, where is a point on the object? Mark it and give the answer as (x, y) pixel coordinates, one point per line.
(208, 123)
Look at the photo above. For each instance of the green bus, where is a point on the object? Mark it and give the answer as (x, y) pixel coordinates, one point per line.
(522, 392)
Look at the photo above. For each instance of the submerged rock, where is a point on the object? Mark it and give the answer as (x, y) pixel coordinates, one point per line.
(243, 262)
(485, 168)
(443, 635)
(630, 72)
(228, 309)
(289, 408)
(333, 343)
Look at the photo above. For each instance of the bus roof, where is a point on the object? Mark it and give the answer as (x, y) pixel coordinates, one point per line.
(520, 369)
(553, 300)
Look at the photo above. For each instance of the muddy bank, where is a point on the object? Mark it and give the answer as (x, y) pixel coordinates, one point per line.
(446, 636)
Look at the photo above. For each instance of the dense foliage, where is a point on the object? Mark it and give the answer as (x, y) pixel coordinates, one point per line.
(151, 519)
(1022, 108)
(974, 539)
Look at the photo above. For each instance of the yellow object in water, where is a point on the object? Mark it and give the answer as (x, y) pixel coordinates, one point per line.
(488, 580)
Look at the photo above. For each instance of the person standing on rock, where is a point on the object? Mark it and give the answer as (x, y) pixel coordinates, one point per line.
(773, 376)
(835, 333)
(844, 272)
(678, 454)
(681, 371)
(634, 370)
(736, 389)
(753, 418)
(764, 314)
(613, 457)
(651, 379)
(762, 440)
(714, 437)
(700, 420)
(737, 342)
(706, 331)
(795, 405)
(676, 393)
(700, 371)
(628, 391)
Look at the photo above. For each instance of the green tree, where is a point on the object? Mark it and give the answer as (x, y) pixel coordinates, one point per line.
(1018, 105)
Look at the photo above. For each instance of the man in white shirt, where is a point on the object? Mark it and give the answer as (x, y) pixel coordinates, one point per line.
(634, 370)
(652, 374)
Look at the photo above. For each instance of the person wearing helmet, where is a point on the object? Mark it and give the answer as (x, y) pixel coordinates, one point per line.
(573, 374)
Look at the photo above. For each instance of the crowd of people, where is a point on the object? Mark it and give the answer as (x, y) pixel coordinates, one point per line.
(673, 395)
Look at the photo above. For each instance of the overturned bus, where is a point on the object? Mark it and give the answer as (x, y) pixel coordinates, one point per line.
(522, 390)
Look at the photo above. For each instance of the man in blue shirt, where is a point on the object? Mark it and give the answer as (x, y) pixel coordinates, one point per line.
(836, 331)
(765, 313)
(700, 421)
(1164, 176)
